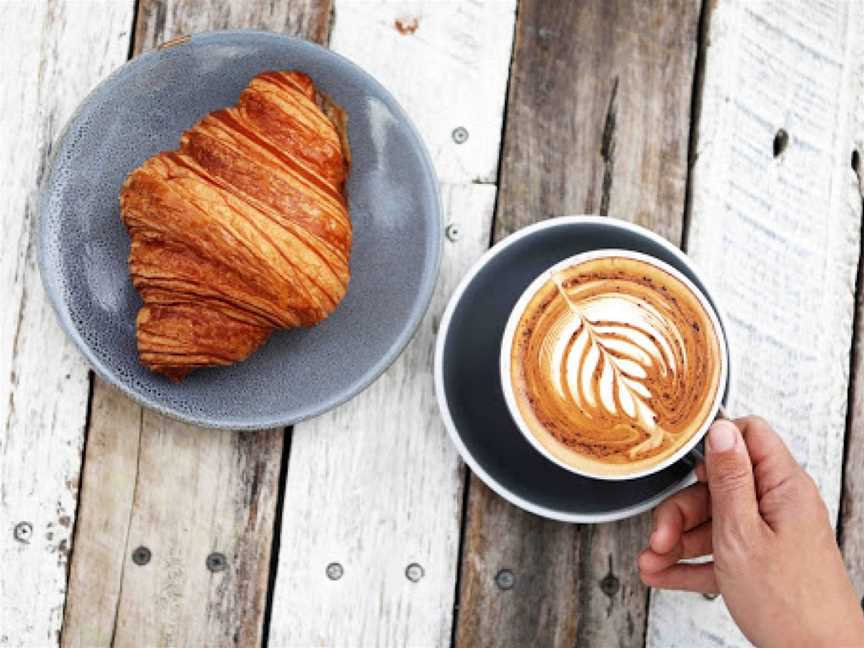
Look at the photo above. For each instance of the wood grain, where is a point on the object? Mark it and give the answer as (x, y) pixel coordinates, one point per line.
(195, 491)
(446, 62)
(198, 492)
(104, 512)
(778, 237)
(599, 113)
(53, 53)
(160, 20)
(597, 122)
(376, 485)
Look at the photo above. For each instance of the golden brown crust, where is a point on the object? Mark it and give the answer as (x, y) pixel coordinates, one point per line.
(243, 229)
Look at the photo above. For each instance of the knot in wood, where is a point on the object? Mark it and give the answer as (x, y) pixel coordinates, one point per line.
(23, 532)
(610, 585)
(781, 139)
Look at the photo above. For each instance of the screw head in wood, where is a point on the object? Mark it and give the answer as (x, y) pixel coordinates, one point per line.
(216, 562)
(453, 232)
(460, 135)
(141, 556)
(22, 532)
(414, 572)
(334, 571)
(710, 596)
(505, 579)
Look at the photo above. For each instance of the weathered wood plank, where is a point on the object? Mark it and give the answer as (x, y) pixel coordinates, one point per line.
(199, 493)
(104, 512)
(597, 121)
(195, 491)
(183, 493)
(777, 236)
(443, 61)
(376, 485)
(53, 53)
(599, 112)
(161, 20)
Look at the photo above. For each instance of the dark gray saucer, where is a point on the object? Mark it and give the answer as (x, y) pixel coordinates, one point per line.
(140, 110)
(469, 389)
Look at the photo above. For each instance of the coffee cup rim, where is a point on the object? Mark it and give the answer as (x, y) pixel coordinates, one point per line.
(519, 309)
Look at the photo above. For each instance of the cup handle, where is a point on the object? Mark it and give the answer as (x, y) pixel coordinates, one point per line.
(697, 452)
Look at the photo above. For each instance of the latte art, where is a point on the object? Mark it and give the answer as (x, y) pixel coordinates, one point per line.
(614, 361)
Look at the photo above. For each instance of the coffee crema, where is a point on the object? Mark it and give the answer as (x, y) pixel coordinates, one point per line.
(615, 364)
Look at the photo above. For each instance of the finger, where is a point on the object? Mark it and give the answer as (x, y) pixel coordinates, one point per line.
(772, 462)
(734, 509)
(693, 578)
(693, 544)
(701, 472)
(686, 509)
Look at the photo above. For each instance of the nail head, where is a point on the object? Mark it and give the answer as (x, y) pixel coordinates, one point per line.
(23, 532)
(216, 562)
(141, 556)
(505, 579)
(334, 571)
(414, 572)
(460, 135)
(453, 232)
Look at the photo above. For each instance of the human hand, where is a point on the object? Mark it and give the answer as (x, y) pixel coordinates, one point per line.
(775, 557)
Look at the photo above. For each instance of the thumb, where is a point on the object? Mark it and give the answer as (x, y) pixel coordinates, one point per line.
(734, 509)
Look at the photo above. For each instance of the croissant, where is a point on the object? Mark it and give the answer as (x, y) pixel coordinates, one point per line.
(241, 230)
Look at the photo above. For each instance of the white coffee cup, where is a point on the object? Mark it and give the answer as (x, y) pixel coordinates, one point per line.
(507, 345)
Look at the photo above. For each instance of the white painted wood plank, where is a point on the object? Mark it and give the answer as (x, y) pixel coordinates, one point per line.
(778, 238)
(376, 484)
(446, 62)
(53, 54)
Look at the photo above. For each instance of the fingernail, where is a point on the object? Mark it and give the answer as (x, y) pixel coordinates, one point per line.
(722, 436)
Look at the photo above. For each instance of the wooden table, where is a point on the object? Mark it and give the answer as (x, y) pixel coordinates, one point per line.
(732, 127)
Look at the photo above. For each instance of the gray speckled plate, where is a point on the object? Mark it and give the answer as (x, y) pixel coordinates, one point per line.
(140, 110)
